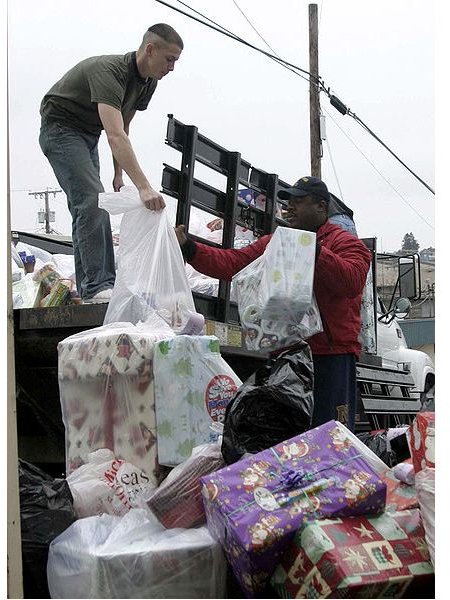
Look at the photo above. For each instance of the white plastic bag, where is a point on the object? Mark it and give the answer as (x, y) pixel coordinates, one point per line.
(151, 274)
(134, 557)
(287, 279)
(426, 493)
(106, 484)
(261, 333)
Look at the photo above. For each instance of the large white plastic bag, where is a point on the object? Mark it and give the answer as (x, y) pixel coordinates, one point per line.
(151, 274)
(106, 484)
(106, 392)
(134, 557)
(193, 386)
(260, 333)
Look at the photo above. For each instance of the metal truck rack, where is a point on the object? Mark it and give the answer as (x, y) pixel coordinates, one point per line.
(384, 394)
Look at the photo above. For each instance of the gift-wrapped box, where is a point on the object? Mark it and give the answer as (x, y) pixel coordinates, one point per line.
(399, 495)
(425, 484)
(255, 505)
(421, 441)
(134, 557)
(356, 557)
(178, 500)
(106, 392)
(193, 386)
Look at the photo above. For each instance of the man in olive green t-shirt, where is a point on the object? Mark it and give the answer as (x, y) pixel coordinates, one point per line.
(102, 92)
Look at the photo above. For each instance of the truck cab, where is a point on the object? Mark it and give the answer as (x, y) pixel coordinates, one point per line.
(394, 351)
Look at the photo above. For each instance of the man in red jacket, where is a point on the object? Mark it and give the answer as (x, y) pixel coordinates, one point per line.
(342, 264)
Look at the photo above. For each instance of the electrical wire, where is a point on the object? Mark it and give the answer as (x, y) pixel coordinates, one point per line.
(231, 35)
(379, 172)
(338, 104)
(327, 141)
(334, 168)
(276, 58)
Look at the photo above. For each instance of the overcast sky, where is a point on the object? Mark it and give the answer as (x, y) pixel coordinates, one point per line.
(377, 57)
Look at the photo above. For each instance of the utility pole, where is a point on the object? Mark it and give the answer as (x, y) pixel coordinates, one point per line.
(49, 216)
(314, 106)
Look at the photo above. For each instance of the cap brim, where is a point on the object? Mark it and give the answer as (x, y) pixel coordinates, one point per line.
(292, 192)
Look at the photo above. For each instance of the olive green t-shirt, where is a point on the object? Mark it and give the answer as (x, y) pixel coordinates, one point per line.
(109, 79)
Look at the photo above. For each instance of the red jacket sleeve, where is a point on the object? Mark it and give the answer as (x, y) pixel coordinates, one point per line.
(342, 265)
(224, 263)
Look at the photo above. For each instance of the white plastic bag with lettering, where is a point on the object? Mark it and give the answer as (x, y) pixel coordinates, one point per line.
(106, 484)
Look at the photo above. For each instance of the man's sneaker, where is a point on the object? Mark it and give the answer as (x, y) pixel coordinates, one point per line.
(103, 296)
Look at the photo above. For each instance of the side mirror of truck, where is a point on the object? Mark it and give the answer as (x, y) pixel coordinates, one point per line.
(409, 276)
(402, 307)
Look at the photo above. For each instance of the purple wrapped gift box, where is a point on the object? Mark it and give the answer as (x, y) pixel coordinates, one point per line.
(254, 506)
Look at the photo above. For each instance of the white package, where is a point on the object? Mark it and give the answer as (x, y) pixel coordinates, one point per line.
(151, 274)
(287, 282)
(134, 557)
(261, 333)
(193, 385)
(106, 391)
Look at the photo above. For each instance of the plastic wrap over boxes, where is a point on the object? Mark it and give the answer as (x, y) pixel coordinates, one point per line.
(356, 557)
(193, 386)
(132, 557)
(106, 392)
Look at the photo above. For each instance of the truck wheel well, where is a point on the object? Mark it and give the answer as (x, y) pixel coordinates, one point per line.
(429, 382)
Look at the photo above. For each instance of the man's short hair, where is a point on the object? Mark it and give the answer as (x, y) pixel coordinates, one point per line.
(165, 32)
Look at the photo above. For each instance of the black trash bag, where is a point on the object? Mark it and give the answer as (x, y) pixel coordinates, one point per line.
(377, 442)
(46, 510)
(391, 452)
(273, 405)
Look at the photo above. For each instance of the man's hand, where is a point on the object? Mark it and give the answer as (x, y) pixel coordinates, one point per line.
(181, 234)
(215, 224)
(151, 199)
(117, 183)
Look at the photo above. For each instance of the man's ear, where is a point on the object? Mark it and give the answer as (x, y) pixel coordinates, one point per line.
(149, 49)
(323, 206)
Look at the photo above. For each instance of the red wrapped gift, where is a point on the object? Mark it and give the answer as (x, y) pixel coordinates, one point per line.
(178, 501)
(399, 495)
(356, 557)
(421, 441)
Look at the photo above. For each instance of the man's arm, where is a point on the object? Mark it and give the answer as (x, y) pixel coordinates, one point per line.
(118, 177)
(221, 263)
(343, 267)
(123, 153)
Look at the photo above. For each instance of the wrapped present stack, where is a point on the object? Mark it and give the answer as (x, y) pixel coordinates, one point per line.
(254, 506)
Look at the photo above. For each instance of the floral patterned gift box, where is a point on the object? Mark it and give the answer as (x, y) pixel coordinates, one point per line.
(356, 557)
(254, 506)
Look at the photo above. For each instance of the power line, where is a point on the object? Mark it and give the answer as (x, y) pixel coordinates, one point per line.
(379, 173)
(328, 144)
(334, 100)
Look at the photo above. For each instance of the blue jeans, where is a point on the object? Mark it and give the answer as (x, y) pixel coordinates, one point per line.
(344, 222)
(73, 156)
(335, 389)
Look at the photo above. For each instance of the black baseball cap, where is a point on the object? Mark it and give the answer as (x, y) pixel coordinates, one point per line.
(304, 187)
